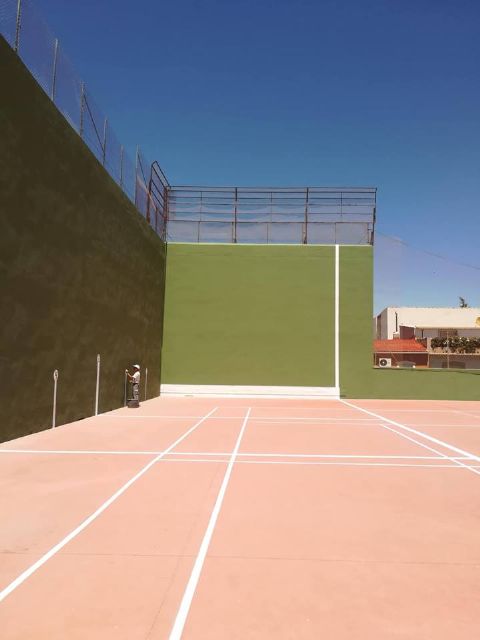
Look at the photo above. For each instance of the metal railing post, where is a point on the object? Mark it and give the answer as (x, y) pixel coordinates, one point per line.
(166, 198)
(82, 105)
(305, 235)
(104, 145)
(18, 26)
(121, 166)
(235, 214)
(54, 74)
(137, 151)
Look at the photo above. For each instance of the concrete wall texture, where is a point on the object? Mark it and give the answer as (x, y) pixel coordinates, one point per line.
(81, 272)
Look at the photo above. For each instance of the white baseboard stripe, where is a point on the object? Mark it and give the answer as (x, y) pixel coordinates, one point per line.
(241, 391)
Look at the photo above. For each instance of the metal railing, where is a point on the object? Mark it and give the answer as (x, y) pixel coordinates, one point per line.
(310, 215)
(24, 28)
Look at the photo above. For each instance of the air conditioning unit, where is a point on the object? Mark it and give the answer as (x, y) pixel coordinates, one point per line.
(385, 362)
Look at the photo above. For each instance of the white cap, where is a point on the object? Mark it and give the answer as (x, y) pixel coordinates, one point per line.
(136, 366)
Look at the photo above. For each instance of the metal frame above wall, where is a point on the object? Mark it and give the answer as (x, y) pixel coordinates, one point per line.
(271, 215)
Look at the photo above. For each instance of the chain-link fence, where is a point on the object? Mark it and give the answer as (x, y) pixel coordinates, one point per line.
(25, 30)
(312, 215)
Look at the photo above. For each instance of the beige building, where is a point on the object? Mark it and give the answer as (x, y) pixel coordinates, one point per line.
(427, 322)
(439, 329)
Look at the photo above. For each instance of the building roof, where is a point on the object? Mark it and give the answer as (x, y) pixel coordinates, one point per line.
(398, 346)
(444, 327)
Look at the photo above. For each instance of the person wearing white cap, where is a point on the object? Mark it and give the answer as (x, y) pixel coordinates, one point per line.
(135, 380)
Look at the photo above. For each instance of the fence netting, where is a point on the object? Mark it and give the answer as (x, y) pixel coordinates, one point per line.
(26, 31)
(312, 215)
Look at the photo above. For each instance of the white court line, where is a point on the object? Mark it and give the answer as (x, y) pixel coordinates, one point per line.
(425, 446)
(446, 410)
(467, 413)
(28, 572)
(451, 447)
(307, 455)
(320, 463)
(443, 425)
(83, 452)
(224, 454)
(186, 602)
(227, 454)
(261, 418)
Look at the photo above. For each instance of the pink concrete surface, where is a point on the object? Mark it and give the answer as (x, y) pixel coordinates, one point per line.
(289, 599)
(43, 497)
(318, 548)
(364, 514)
(292, 437)
(108, 433)
(466, 438)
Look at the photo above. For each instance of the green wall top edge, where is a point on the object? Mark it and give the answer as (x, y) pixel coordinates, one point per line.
(262, 244)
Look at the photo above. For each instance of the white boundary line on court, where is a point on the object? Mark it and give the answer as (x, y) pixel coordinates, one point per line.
(337, 316)
(227, 454)
(249, 391)
(186, 602)
(456, 460)
(307, 463)
(252, 419)
(466, 413)
(446, 445)
(49, 554)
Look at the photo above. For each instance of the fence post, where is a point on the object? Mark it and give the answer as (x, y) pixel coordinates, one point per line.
(121, 166)
(125, 391)
(55, 382)
(166, 198)
(305, 236)
(235, 216)
(97, 390)
(104, 146)
(137, 151)
(54, 74)
(82, 105)
(146, 381)
(18, 26)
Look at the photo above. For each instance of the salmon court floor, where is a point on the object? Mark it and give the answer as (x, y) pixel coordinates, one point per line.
(216, 518)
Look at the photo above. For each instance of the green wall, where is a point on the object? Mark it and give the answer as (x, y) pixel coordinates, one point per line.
(81, 273)
(245, 314)
(263, 315)
(358, 379)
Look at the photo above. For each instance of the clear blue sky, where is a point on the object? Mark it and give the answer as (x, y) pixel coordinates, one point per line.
(379, 93)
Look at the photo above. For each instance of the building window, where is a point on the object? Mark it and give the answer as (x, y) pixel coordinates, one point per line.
(447, 333)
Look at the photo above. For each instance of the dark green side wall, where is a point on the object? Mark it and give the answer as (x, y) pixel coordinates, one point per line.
(81, 273)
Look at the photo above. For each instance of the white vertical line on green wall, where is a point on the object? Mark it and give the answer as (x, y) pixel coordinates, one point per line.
(337, 317)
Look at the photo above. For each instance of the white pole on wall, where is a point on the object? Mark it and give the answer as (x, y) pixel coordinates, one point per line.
(146, 381)
(55, 382)
(125, 392)
(337, 317)
(98, 385)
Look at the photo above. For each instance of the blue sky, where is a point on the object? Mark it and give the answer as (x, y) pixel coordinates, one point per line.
(253, 92)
